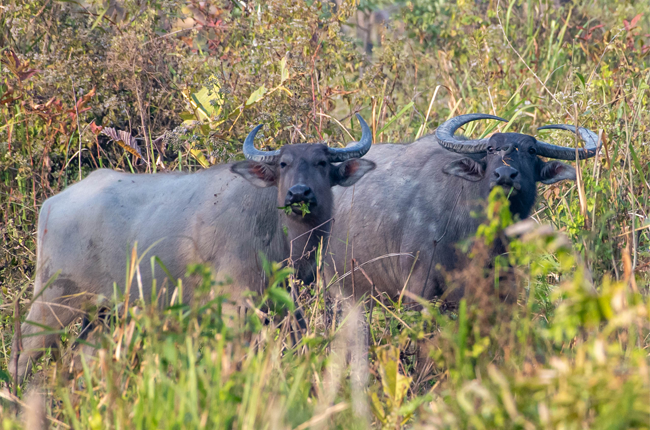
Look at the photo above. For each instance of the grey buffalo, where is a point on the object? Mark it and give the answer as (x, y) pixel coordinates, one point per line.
(223, 217)
(421, 197)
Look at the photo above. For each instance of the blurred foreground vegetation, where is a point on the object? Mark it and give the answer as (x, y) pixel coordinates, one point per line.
(187, 80)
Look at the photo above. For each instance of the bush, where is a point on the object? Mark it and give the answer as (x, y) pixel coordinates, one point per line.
(187, 80)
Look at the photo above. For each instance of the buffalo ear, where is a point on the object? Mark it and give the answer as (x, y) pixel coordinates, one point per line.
(466, 168)
(555, 171)
(350, 171)
(257, 173)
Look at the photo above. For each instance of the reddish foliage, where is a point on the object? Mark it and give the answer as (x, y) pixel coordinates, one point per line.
(94, 128)
(19, 68)
(630, 25)
(80, 104)
(589, 31)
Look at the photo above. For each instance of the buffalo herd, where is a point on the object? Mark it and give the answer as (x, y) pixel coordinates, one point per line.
(409, 199)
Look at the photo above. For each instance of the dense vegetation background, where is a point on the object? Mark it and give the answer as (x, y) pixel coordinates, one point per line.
(187, 80)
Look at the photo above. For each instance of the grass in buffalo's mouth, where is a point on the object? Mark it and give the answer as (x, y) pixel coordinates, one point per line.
(302, 208)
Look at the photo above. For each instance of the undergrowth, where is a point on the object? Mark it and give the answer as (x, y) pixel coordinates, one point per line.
(186, 81)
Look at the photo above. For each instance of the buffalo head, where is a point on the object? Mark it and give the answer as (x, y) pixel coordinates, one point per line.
(305, 173)
(512, 160)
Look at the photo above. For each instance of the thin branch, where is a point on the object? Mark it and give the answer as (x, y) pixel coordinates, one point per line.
(76, 109)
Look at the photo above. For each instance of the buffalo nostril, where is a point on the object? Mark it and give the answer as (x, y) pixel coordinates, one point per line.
(300, 194)
(505, 175)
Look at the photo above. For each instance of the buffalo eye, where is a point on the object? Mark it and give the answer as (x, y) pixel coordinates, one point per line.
(532, 151)
(283, 164)
(490, 149)
(322, 163)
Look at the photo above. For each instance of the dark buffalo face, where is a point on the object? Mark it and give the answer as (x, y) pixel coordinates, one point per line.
(511, 160)
(305, 173)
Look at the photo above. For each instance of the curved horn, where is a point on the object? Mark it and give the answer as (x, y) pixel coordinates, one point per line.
(357, 150)
(445, 134)
(252, 153)
(563, 153)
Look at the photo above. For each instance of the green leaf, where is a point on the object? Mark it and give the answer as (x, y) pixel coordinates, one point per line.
(266, 264)
(254, 322)
(286, 209)
(637, 163)
(280, 274)
(289, 93)
(582, 78)
(177, 307)
(99, 18)
(395, 384)
(284, 71)
(198, 155)
(188, 116)
(280, 296)
(202, 112)
(171, 70)
(516, 114)
(5, 376)
(378, 408)
(396, 117)
(409, 408)
(206, 102)
(256, 96)
(165, 269)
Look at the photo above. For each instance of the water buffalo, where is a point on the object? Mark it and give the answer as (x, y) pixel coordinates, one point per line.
(223, 217)
(421, 198)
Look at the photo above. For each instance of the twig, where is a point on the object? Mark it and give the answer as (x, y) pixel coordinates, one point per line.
(392, 313)
(635, 230)
(596, 176)
(579, 183)
(72, 158)
(381, 257)
(353, 263)
(147, 141)
(19, 341)
(374, 119)
(417, 255)
(329, 411)
(336, 121)
(311, 76)
(74, 95)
